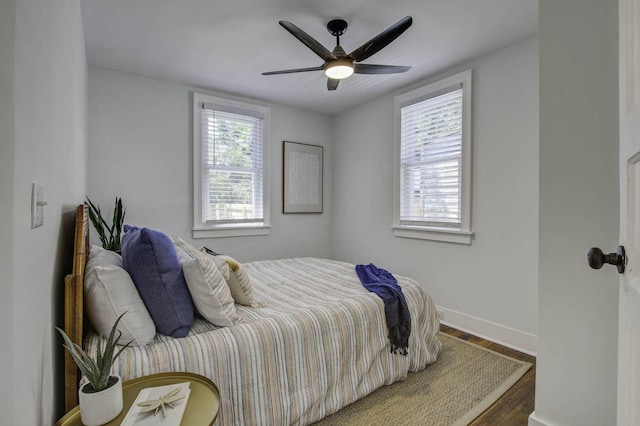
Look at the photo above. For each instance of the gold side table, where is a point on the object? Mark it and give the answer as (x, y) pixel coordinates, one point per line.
(202, 406)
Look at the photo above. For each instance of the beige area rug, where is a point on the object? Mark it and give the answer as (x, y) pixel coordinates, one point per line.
(464, 381)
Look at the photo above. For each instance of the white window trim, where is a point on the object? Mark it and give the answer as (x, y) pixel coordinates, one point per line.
(201, 229)
(464, 235)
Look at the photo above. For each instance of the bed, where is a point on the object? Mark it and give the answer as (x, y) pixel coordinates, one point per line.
(316, 342)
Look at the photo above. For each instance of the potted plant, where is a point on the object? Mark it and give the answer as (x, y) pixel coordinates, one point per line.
(100, 398)
(109, 234)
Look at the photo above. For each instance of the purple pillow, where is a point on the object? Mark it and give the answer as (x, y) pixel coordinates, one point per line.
(150, 258)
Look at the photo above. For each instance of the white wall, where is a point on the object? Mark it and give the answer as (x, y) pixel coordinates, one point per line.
(43, 92)
(494, 279)
(579, 209)
(140, 132)
(7, 54)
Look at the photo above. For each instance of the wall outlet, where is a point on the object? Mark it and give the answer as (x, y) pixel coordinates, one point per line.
(440, 314)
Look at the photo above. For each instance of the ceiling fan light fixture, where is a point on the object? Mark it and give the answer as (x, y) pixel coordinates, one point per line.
(339, 69)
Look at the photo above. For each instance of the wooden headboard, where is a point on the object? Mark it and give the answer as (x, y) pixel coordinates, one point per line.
(73, 308)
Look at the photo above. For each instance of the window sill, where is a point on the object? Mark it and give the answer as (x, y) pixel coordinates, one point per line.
(223, 232)
(433, 234)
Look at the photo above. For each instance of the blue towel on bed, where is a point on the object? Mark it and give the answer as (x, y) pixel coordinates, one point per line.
(385, 285)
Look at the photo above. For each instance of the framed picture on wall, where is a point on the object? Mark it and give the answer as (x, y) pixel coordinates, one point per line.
(301, 178)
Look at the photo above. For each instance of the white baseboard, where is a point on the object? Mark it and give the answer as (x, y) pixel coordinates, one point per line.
(534, 421)
(506, 336)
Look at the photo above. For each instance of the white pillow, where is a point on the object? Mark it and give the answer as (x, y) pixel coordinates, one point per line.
(108, 292)
(223, 267)
(208, 288)
(238, 281)
(99, 256)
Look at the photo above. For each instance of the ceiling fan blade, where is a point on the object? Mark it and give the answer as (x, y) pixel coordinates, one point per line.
(381, 40)
(332, 83)
(294, 70)
(308, 41)
(379, 69)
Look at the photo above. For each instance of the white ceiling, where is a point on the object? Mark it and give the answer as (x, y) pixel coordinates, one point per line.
(225, 45)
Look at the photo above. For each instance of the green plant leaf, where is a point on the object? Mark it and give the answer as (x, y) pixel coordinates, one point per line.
(117, 221)
(97, 370)
(109, 234)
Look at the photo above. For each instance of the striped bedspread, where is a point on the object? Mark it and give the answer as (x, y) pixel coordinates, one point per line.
(318, 343)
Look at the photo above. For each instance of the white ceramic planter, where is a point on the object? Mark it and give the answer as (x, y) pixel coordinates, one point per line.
(100, 407)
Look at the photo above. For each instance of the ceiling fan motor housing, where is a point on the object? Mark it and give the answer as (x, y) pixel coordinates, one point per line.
(337, 27)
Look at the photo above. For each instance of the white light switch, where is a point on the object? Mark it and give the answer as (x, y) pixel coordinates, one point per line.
(37, 205)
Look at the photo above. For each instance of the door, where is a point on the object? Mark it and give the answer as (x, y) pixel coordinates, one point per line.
(629, 319)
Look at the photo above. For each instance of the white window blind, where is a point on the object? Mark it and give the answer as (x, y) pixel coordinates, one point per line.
(431, 160)
(232, 166)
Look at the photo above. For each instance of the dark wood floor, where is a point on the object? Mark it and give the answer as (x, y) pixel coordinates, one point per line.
(514, 407)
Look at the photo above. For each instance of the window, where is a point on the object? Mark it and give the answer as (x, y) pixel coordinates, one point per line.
(230, 189)
(433, 161)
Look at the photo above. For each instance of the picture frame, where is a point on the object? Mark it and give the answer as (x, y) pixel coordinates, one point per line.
(302, 172)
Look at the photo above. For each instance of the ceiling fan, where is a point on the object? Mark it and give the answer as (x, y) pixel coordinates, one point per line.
(337, 63)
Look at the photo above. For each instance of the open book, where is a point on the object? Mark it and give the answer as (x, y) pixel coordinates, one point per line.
(135, 416)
